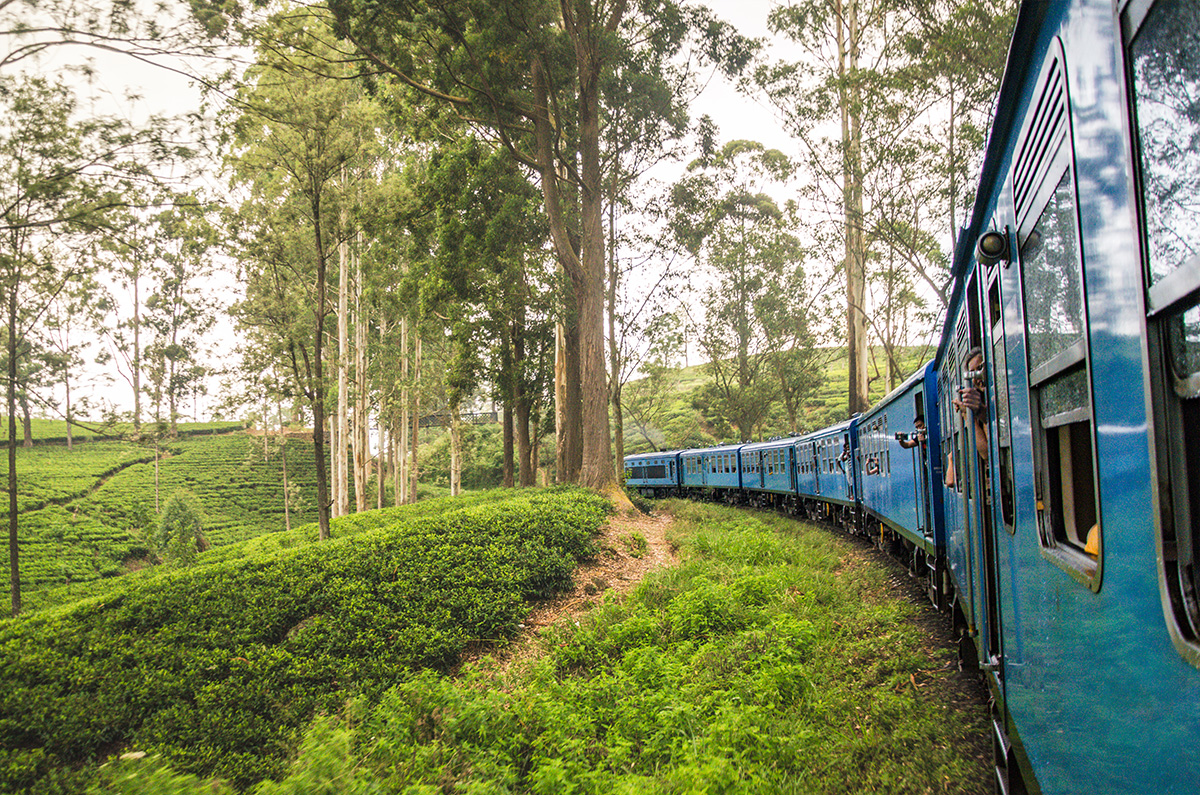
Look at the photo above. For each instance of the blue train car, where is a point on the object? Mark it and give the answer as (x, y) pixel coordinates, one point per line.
(712, 472)
(769, 472)
(1069, 384)
(827, 481)
(899, 461)
(653, 474)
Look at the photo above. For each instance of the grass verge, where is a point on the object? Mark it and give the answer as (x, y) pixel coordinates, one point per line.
(774, 659)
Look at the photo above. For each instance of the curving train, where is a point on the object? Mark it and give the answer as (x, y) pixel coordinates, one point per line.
(1042, 473)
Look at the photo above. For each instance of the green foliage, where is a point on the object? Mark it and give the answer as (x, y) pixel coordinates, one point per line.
(635, 544)
(180, 528)
(763, 664)
(215, 668)
(88, 510)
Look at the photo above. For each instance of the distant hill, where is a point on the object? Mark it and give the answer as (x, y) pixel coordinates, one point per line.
(85, 513)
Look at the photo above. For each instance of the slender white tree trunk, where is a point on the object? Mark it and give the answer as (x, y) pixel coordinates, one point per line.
(455, 451)
(416, 421)
(361, 414)
(401, 485)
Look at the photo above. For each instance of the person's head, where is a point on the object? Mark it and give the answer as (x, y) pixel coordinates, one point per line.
(919, 423)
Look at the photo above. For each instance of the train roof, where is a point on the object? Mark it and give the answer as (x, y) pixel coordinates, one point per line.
(659, 454)
(721, 448)
(781, 441)
(918, 375)
(831, 430)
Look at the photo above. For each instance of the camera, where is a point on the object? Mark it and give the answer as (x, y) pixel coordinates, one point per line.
(971, 375)
(902, 437)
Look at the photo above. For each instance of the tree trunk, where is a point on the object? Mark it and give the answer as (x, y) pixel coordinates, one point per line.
(614, 345)
(456, 451)
(14, 572)
(586, 34)
(567, 382)
(26, 421)
(381, 465)
(400, 487)
(507, 479)
(137, 352)
(416, 421)
(521, 410)
(317, 395)
(287, 512)
(361, 415)
(341, 474)
(856, 276)
(70, 417)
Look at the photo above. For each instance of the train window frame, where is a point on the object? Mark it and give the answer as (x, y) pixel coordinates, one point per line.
(1061, 400)
(1170, 297)
(998, 341)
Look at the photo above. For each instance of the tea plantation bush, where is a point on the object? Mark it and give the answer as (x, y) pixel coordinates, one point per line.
(263, 546)
(217, 668)
(88, 513)
(770, 661)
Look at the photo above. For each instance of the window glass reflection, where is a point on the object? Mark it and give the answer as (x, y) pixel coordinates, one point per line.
(1064, 393)
(1166, 78)
(1053, 284)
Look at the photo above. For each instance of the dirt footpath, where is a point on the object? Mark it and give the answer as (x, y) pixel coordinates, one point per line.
(620, 566)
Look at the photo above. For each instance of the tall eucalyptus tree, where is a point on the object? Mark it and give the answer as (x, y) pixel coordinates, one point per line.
(296, 129)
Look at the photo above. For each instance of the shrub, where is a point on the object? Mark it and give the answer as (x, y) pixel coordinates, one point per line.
(180, 530)
(216, 668)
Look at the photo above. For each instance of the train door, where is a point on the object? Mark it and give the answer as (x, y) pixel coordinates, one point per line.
(975, 455)
(920, 453)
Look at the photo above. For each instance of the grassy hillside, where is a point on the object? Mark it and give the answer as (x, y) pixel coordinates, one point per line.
(680, 425)
(85, 513)
(217, 667)
(775, 658)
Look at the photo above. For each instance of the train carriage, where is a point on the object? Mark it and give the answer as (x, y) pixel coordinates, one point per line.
(828, 484)
(769, 472)
(899, 461)
(713, 473)
(653, 474)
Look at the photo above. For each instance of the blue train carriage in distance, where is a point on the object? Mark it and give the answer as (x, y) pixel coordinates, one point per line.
(827, 481)
(1071, 495)
(653, 474)
(899, 461)
(712, 473)
(769, 473)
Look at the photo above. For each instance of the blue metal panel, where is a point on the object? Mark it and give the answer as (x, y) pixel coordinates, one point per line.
(895, 479)
(769, 466)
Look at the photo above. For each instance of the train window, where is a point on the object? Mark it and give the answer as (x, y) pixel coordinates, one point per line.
(1060, 391)
(1053, 290)
(1003, 418)
(1165, 77)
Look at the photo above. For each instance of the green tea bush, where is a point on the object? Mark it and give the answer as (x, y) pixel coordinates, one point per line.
(216, 668)
(762, 664)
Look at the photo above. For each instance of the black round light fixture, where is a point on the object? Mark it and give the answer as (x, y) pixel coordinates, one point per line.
(992, 247)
